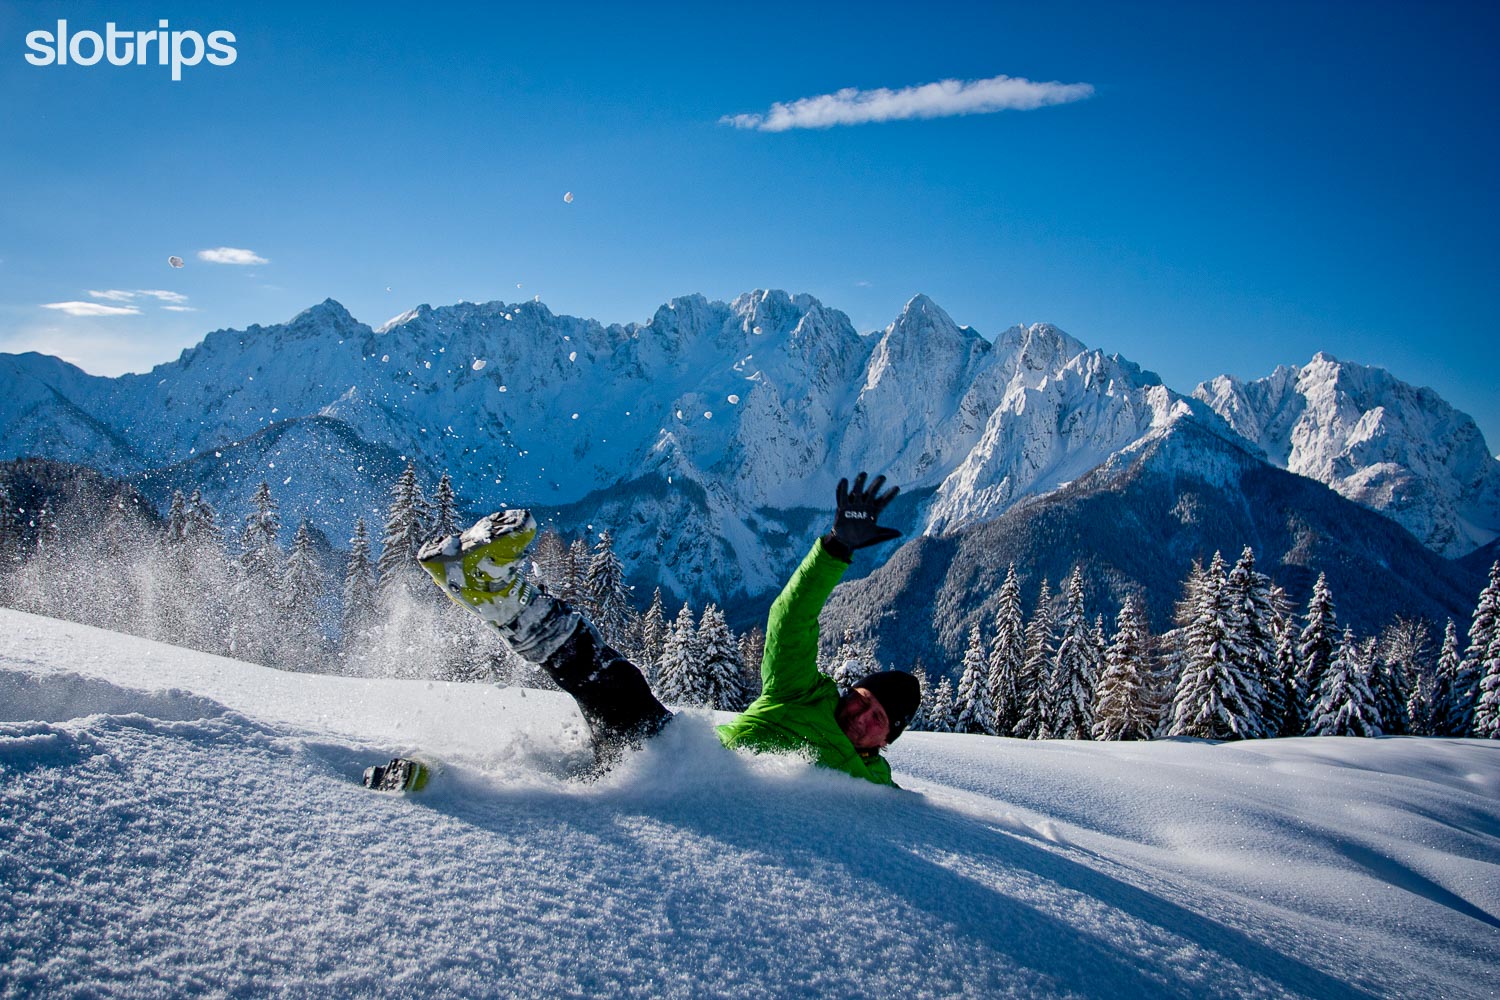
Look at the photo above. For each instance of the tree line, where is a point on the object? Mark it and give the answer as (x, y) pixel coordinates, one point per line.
(192, 582)
(1240, 662)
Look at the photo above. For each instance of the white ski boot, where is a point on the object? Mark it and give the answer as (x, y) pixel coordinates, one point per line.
(484, 569)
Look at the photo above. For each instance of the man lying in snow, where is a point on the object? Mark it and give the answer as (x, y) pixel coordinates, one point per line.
(799, 709)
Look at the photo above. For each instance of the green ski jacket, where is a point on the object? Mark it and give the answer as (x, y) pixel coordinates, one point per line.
(794, 712)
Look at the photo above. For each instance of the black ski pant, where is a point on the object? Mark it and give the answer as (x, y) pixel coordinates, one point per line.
(611, 692)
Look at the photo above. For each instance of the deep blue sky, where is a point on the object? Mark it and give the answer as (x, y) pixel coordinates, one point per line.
(1247, 185)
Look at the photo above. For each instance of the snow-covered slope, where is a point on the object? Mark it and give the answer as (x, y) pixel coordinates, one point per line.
(177, 823)
(1396, 448)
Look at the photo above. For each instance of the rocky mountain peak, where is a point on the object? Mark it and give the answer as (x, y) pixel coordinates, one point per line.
(328, 314)
(420, 312)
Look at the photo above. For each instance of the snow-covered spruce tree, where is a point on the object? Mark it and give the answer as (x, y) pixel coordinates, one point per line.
(752, 651)
(260, 554)
(358, 610)
(444, 519)
(920, 721)
(1487, 712)
(1164, 660)
(1482, 630)
(1215, 698)
(653, 638)
(973, 714)
(1121, 706)
(1070, 711)
(1101, 644)
(571, 583)
(304, 645)
(1036, 670)
(851, 662)
(1345, 705)
(678, 676)
(1285, 711)
(1315, 645)
(175, 531)
(1447, 714)
(1400, 673)
(1185, 611)
(10, 529)
(255, 618)
(548, 554)
(720, 665)
(168, 613)
(1173, 651)
(10, 541)
(405, 529)
(1250, 600)
(608, 600)
(121, 528)
(1407, 643)
(204, 563)
(942, 716)
(1007, 658)
(202, 521)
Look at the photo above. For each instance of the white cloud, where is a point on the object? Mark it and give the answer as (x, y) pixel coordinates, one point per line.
(231, 255)
(91, 309)
(180, 309)
(119, 295)
(157, 293)
(943, 99)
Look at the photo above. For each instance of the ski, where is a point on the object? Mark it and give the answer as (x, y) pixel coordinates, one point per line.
(402, 774)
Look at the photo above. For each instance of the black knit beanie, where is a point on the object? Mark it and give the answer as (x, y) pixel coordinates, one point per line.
(898, 693)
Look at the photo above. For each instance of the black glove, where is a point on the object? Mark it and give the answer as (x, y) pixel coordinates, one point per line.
(854, 525)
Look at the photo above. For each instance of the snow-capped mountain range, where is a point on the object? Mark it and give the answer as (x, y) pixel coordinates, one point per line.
(709, 436)
(1390, 446)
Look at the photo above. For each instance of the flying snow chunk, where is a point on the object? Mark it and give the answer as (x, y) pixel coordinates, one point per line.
(175, 261)
(755, 330)
(575, 416)
(572, 355)
(385, 357)
(478, 364)
(503, 389)
(536, 298)
(734, 400)
(708, 414)
(568, 197)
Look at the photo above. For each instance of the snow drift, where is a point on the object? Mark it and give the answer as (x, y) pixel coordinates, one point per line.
(176, 822)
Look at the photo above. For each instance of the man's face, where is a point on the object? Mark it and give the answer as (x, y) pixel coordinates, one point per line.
(862, 718)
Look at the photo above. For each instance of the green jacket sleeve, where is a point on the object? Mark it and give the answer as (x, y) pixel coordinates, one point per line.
(790, 665)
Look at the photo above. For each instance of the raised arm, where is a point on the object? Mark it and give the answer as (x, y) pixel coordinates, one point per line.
(790, 666)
